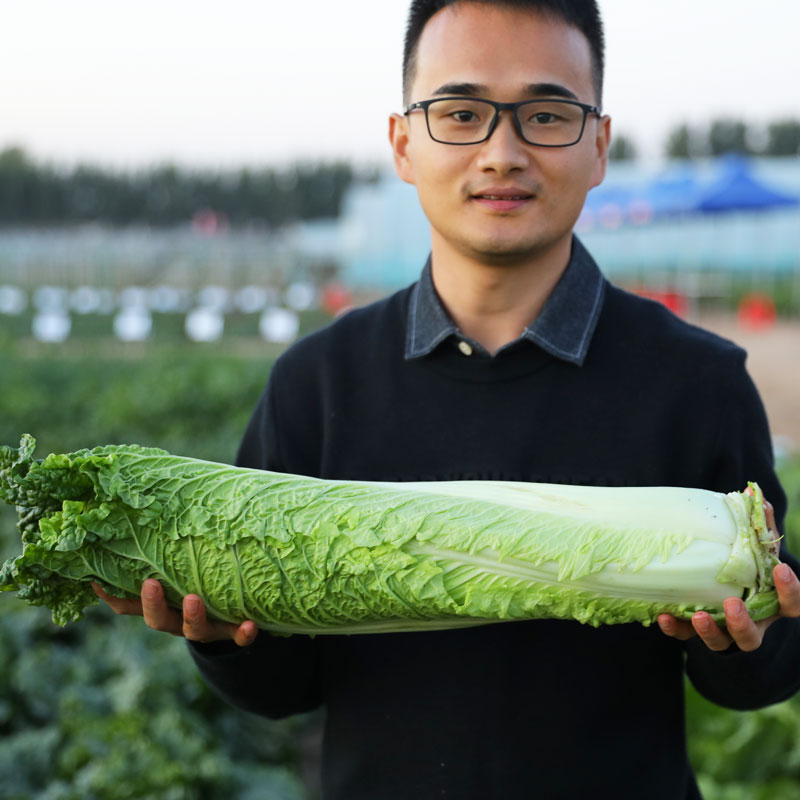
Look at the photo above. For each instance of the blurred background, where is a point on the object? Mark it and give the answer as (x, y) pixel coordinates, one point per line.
(186, 188)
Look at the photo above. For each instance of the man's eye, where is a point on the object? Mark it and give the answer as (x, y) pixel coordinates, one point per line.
(464, 116)
(543, 118)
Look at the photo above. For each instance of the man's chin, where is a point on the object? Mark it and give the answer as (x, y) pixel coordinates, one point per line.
(511, 254)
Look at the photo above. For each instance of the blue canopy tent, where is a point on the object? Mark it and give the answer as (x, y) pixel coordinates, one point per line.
(735, 189)
(607, 204)
(674, 191)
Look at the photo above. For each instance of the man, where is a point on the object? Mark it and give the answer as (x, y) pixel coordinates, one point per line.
(511, 359)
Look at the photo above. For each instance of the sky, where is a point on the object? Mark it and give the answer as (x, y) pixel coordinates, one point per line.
(253, 82)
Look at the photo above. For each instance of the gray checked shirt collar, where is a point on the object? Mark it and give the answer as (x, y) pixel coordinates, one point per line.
(563, 328)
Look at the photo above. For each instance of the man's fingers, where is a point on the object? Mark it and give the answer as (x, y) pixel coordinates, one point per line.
(119, 605)
(769, 514)
(245, 633)
(157, 614)
(677, 628)
(746, 633)
(739, 627)
(788, 588)
(195, 622)
(198, 628)
(708, 630)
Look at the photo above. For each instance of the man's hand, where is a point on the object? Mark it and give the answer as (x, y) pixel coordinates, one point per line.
(741, 630)
(192, 624)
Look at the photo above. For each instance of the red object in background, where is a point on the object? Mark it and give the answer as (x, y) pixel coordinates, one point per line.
(756, 311)
(208, 222)
(336, 299)
(676, 302)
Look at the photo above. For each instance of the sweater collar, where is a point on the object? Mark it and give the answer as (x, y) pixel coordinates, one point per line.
(563, 328)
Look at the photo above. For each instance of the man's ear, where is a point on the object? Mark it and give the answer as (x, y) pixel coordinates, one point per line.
(399, 138)
(602, 142)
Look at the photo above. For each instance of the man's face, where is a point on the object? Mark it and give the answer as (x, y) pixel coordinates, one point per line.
(506, 55)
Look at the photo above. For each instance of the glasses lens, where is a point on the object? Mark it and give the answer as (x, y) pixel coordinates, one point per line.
(460, 121)
(551, 122)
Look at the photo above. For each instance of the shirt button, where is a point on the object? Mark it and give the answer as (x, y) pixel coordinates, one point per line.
(465, 348)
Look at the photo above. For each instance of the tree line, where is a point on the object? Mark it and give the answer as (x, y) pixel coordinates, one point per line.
(38, 193)
(721, 137)
(44, 194)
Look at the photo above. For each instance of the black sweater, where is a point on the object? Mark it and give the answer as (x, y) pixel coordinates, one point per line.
(541, 709)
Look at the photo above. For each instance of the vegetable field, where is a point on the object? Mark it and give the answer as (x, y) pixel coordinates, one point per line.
(108, 710)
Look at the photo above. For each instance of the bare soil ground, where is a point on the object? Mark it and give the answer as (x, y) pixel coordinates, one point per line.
(774, 364)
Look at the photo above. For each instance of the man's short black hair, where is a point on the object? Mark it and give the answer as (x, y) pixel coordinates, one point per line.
(581, 14)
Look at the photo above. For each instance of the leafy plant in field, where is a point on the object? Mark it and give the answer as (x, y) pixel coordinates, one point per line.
(193, 402)
(111, 711)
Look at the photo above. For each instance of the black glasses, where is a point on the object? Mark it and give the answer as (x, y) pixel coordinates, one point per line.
(472, 120)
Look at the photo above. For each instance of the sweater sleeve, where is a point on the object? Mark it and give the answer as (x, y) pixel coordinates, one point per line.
(276, 676)
(770, 674)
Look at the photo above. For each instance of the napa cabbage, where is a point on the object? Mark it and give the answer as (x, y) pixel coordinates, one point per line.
(304, 555)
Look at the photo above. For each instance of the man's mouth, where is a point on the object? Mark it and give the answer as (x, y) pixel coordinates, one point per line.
(503, 199)
(503, 196)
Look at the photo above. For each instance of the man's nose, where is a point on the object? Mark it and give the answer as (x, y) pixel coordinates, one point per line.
(505, 150)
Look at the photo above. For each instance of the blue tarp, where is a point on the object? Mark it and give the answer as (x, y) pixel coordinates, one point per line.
(672, 192)
(735, 189)
(683, 190)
